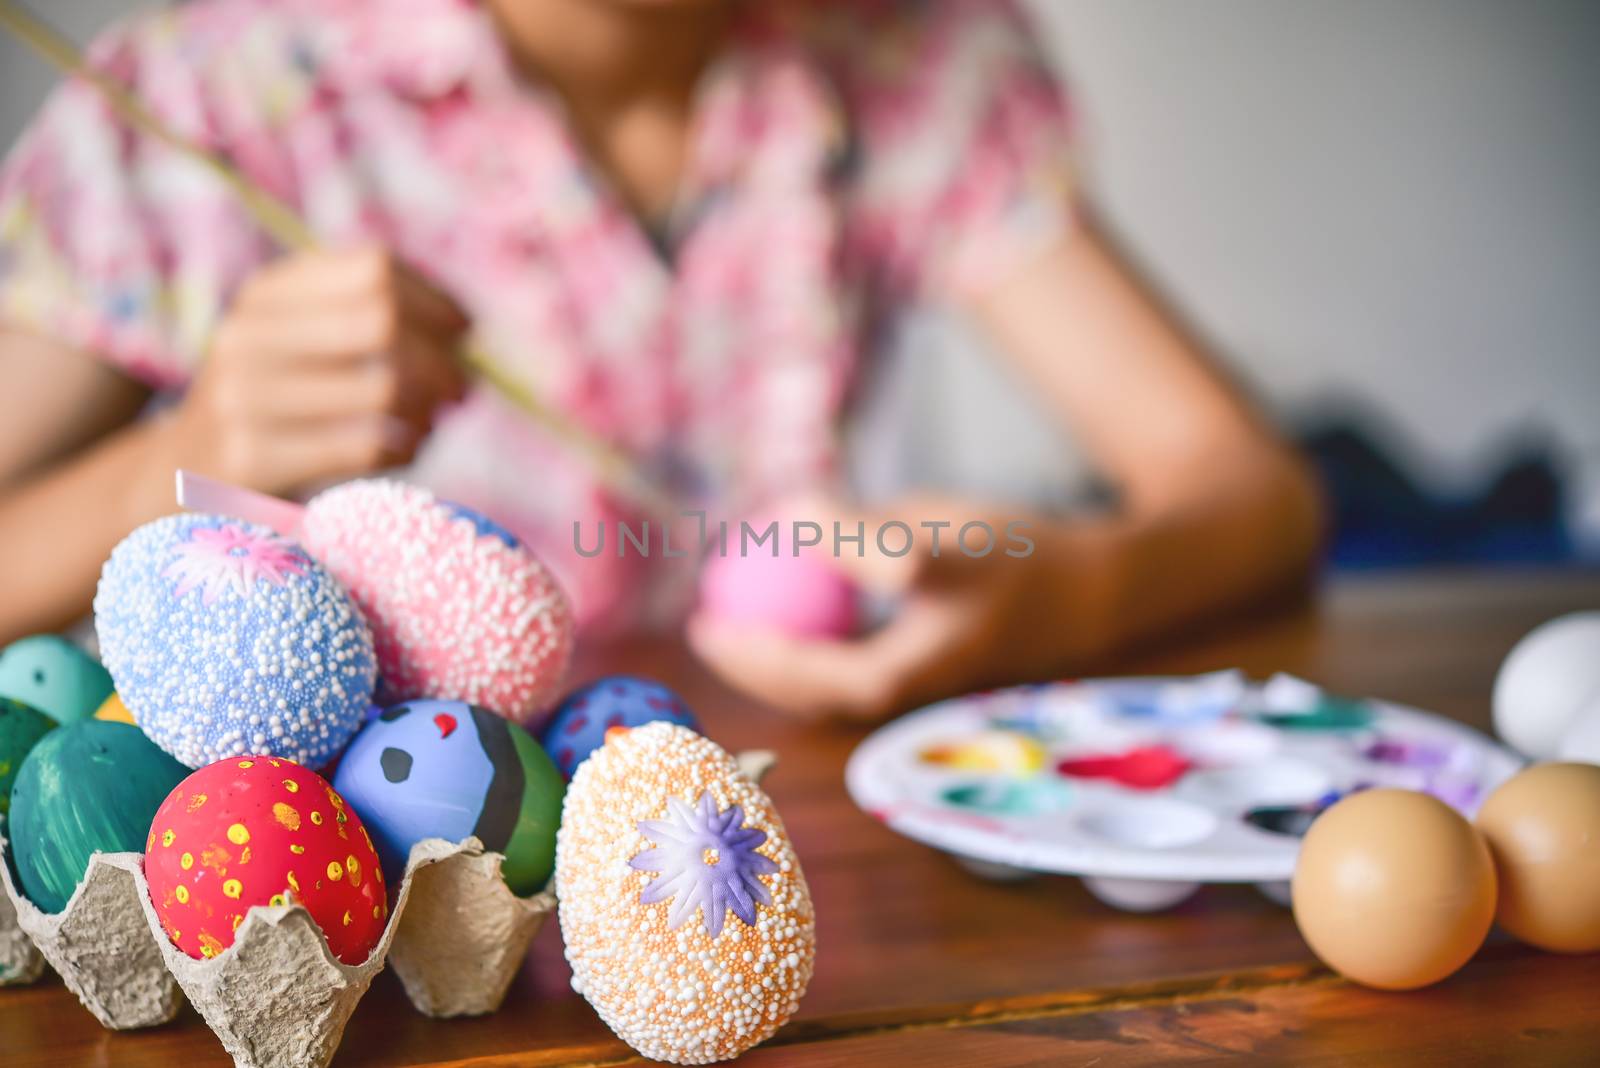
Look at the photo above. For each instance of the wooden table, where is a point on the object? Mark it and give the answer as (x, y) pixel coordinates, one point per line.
(920, 963)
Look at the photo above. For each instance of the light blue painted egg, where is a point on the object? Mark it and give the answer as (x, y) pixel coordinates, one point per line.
(225, 638)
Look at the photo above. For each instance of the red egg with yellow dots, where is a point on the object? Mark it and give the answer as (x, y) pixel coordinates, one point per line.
(262, 831)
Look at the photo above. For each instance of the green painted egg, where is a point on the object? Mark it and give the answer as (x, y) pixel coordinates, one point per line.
(20, 730)
(86, 788)
(54, 676)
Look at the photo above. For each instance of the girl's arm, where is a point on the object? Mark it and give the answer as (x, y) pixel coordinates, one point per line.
(1214, 511)
(329, 364)
(75, 476)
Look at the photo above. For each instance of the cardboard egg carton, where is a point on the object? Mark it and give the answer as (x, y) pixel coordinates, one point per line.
(101, 946)
(278, 997)
(463, 934)
(20, 960)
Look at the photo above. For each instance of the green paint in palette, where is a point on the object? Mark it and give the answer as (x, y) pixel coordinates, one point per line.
(87, 787)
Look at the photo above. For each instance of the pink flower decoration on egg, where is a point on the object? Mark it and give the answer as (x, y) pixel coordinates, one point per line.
(214, 559)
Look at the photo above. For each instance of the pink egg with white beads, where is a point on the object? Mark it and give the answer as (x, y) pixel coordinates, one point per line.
(459, 608)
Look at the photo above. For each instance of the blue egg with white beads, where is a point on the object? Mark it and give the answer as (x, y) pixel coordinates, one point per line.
(578, 726)
(225, 639)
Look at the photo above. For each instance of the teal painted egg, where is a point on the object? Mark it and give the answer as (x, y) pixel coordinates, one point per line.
(51, 674)
(20, 730)
(86, 788)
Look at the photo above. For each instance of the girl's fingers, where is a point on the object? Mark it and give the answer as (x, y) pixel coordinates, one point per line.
(338, 449)
(429, 308)
(917, 655)
(315, 333)
(330, 277)
(430, 362)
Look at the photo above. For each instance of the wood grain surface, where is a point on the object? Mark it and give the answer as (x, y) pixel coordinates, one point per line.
(921, 963)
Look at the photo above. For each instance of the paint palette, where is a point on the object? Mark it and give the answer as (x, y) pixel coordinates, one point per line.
(1149, 787)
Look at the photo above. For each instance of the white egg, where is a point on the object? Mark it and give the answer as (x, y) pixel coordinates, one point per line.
(1551, 674)
(1581, 742)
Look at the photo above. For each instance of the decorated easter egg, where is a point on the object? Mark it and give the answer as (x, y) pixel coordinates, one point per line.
(460, 609)
(259, 830)
(114, 711)
(686, 918)
(1543, 827)
(225, 639)
(54, 676)
(446, 769)
(1393, 889)
(803, 596)
(1546, 681)
(87, 787)
(579, 725)
(20, 730)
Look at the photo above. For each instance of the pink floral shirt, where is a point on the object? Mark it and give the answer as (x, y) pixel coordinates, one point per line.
(847, 156)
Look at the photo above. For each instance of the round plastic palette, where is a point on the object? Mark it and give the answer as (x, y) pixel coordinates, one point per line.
(1148, 787)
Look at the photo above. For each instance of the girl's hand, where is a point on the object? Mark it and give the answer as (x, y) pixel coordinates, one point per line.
(959, 622)
(329, 364)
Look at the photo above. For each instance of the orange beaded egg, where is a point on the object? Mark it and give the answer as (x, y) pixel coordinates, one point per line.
(262, 831)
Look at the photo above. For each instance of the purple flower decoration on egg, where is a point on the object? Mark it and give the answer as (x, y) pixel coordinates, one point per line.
(704, 859)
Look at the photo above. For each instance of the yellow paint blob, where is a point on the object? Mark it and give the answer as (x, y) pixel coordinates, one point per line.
(238, 834)
(286, 815)
(112, 710)
(232, 888)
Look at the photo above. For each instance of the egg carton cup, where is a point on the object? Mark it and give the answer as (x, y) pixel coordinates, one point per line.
(278, 997)
(20, 960)
(101, 945)
(463, 935)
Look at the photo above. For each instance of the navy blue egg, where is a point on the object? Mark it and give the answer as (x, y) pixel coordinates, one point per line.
(579, 725)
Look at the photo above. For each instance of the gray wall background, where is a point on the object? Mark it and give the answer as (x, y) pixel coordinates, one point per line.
(1390, 200)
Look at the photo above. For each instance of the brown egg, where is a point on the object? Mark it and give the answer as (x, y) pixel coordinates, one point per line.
(1543, 828)
(1393, 889)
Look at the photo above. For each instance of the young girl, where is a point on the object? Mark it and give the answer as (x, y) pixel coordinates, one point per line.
(683, 222)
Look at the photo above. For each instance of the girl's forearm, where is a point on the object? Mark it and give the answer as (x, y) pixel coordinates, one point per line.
(58, 525)
(1249, 531)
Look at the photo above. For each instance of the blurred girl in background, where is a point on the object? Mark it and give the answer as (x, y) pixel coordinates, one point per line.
(683, 222)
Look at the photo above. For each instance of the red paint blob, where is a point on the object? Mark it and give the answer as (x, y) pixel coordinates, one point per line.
(1149, 767)
(446, 724)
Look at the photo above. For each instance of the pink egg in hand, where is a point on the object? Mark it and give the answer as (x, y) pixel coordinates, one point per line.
(805, 596)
